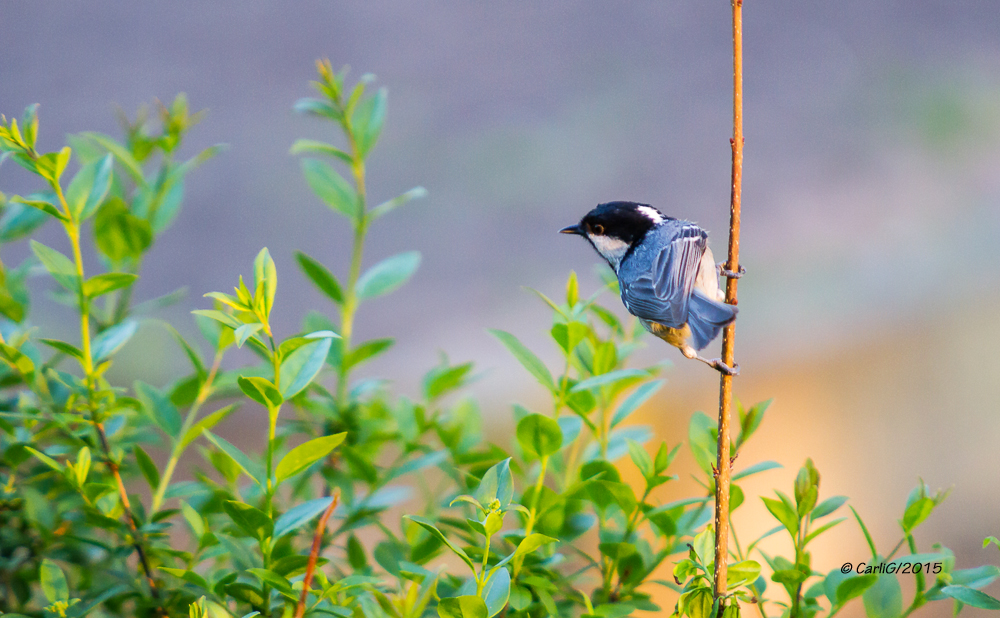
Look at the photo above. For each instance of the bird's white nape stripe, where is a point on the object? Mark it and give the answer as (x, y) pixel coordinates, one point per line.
(653, 214)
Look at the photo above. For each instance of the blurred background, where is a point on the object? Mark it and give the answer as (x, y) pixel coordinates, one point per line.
(871, 205)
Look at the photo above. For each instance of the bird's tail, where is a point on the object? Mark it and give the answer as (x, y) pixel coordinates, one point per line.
(706, 318)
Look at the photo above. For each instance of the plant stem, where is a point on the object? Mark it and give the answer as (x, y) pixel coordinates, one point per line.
(72, 228)
(633, 523)
(300, 608)
(724, 465)
(350, 295)
(533, 509)
(175, 453)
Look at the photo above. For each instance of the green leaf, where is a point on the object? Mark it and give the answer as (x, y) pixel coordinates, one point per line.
(107, 282)
(89, 187)
(147, 467)
(641, 459)
(53, 582)
(118, 233)
(539, 435)
(220, 317)
(321, 277)
(789, 576)
(756, 468)
(750, 421)
(246, 593)
(64, 347)
(159, 406)
(276, 581)
(978, 577)
(189, 576)
(10, 308)
(29, 124)
(428, 525)
(386, 207)
(884, 599)
(59, 266)
(316, 107)
(304, 455)
(16, 359)
(264, 271)
(853, 587)
(45, 459)
(120, 153)
(497, 484)
(742, 573)
(298, 515)
(636, 399)
(311, 146)
(112, 340)
(526, 357)
(604, 492)
(496, 592)
(253, 521)
(260, 390)
(444, 378)
(916, 513)
(702, 440)
(82, 467)
(462, 607)
(41, 205)
(815, 532)
(864, 529)
(367, 120)
(299, 369)
(972, 597)
(784, 514)
(527, 545)
(331, 187)
(246, 331)
(827, 506)
(209, 421)
(236, 455)
(19, 221)
(388, 275)
(609, 378)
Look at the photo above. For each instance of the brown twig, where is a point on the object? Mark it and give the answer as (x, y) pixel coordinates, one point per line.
(724, 465)
(130, 518)
(300, 609)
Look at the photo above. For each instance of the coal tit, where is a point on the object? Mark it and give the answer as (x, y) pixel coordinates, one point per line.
(666, 273)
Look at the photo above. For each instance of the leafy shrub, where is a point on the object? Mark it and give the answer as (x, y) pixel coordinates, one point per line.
(544, 526)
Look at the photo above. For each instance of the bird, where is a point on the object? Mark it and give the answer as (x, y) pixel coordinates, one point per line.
(666, 273)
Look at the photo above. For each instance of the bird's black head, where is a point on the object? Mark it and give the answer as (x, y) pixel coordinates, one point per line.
(624, 221)
(614, 228)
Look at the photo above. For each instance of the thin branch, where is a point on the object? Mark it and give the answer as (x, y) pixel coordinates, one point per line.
(300, 609)
(130, 518)
(723, 469)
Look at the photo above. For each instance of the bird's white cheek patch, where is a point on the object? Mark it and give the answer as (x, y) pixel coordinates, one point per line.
(613, 249)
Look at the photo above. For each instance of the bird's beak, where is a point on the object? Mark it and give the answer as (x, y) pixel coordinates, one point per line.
(573, 229)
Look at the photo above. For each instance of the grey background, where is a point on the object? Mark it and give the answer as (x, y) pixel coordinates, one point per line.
(871, 200)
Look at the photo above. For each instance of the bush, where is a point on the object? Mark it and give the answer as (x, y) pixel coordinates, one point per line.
(544, 526)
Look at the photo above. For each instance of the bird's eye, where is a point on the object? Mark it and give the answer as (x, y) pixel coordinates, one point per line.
(599, 229)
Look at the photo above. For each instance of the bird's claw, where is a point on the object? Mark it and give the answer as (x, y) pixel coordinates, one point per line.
(725, 272)
(723, 368)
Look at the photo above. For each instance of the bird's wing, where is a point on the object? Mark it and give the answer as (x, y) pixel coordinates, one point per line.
(662, 294)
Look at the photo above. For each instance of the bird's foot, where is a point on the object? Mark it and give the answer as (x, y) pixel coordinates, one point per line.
(725, 272)
(721, 367)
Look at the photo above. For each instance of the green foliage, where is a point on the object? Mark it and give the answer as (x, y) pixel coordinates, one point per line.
(541, 524)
